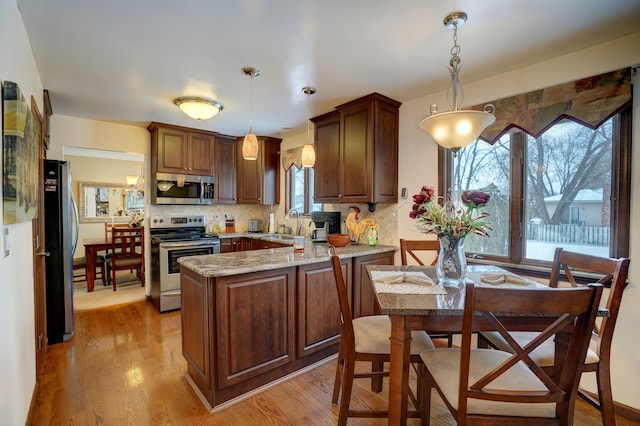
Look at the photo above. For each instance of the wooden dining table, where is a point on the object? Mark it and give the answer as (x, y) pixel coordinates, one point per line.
(436, 313)
(91, 248)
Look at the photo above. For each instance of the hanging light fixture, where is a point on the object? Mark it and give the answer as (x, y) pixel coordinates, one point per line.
(456, 128)
(136, 183)
(198, 108)
(308, 153)
(250, 142)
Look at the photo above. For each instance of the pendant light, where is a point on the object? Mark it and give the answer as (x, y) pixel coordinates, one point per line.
(198, 108)
(308, 152)
(456, 128)
(250, 142)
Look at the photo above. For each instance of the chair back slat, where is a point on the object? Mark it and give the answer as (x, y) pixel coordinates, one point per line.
(346, 321)
(125, 242)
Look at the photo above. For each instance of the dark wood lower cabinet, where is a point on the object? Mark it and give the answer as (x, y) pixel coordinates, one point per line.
(243, 331)
(364, 300)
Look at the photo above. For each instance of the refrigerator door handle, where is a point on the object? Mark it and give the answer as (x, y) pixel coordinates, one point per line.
(77, 220)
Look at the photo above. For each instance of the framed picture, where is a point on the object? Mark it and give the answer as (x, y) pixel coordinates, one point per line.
(19, 157)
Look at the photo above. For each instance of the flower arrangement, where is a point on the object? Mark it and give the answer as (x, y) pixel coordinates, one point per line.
(447, 218)
(137, 218)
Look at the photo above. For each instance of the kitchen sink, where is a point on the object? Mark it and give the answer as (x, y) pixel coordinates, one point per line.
(284, 237)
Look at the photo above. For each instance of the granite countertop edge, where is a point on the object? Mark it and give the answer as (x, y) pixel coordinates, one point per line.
(244, 262)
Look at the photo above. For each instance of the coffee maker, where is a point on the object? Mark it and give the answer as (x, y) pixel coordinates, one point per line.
(325, 223)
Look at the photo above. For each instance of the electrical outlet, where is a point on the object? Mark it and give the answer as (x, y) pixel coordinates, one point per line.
(6, 241)
(403, 193)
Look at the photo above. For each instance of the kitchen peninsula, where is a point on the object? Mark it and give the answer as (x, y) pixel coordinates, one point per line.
(250, 318)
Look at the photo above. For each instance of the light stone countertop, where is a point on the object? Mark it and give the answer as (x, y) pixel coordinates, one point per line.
(243, 262)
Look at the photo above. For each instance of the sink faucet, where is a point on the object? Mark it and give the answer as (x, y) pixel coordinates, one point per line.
(297, 220)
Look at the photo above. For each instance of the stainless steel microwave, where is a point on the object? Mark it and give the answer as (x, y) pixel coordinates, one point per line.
(182, 189)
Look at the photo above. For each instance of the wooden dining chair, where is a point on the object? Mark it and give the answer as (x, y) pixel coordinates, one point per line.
(598, 359)
(365, 339)
(127, 252)
(80, 264)
(413, 249)
(488, 386)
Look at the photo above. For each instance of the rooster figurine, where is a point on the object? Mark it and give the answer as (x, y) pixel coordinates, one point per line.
(356, 226)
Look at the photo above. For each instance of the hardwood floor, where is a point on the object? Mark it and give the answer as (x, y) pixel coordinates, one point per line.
(124, 367)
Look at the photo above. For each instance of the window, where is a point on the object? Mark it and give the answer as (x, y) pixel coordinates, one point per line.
(570, 188)
(299, 190)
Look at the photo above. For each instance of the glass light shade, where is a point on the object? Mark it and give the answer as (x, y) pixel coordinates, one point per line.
(456, 129)
(308, 156)
(132, 180)
(199, 108)
(250, 147)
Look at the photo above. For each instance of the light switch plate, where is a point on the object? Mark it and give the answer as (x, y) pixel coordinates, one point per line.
(5, 234)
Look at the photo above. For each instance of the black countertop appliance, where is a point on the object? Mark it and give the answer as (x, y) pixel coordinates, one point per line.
(325, 223)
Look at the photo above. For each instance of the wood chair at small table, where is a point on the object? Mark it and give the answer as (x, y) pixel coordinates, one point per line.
(127, 252)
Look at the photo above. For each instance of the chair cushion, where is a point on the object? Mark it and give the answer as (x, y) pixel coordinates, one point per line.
(543, 355)
(372, 336)
(79, 262)
(130, 261)
(444, 367)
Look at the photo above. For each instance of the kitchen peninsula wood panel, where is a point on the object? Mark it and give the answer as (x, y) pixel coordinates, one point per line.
(250, 318)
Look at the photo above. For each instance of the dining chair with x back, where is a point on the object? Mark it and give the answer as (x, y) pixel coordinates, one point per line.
(613, 273)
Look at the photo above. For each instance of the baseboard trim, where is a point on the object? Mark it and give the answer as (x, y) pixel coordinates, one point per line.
(253, 392)
(622, 410)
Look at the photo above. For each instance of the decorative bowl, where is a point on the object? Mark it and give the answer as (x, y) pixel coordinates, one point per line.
(338, 240)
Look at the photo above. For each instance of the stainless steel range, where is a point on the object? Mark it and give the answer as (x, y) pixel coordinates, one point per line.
(173, 237)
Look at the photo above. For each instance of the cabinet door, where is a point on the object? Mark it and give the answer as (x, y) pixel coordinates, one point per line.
(327, 171)
(255, 317)
(318, 319)
(172, 148)
(364, 299)
(357, 154)
(249, 177)
(200, 151)
(258, 181)
(226, 245)
(225, 170)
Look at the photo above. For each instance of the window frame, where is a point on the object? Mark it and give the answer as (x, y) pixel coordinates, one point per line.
(620, 194)
(308, 190)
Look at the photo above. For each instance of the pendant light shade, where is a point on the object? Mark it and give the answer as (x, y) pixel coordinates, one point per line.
(456, 128)
(198, 108)
(308, 152)
(250, 147)
(250, 142)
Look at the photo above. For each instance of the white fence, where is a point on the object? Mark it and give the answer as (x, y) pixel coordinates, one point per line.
(571, 234)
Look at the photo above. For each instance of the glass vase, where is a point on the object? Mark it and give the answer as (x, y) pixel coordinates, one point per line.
(452, 263)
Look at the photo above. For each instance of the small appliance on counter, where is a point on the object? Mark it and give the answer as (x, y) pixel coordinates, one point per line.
(255, 225)
(325, 223)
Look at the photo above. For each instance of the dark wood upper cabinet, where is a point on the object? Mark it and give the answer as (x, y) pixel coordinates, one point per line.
(225, 170)
(357, 152)
(258, 181)
(179, 150)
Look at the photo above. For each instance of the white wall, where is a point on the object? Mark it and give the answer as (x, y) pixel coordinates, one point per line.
(418, 166)
(17, 353)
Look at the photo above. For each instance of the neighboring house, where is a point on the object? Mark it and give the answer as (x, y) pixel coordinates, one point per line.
(587, 208)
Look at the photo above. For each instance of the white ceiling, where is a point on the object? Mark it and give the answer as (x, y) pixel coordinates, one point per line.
(126, 60)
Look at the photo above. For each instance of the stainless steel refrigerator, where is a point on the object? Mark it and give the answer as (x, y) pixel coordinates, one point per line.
(59, 245)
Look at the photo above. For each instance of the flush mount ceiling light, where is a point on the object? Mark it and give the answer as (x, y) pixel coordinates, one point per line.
(198, 108)
(456, 128)
(250, 142)
(308, 153)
